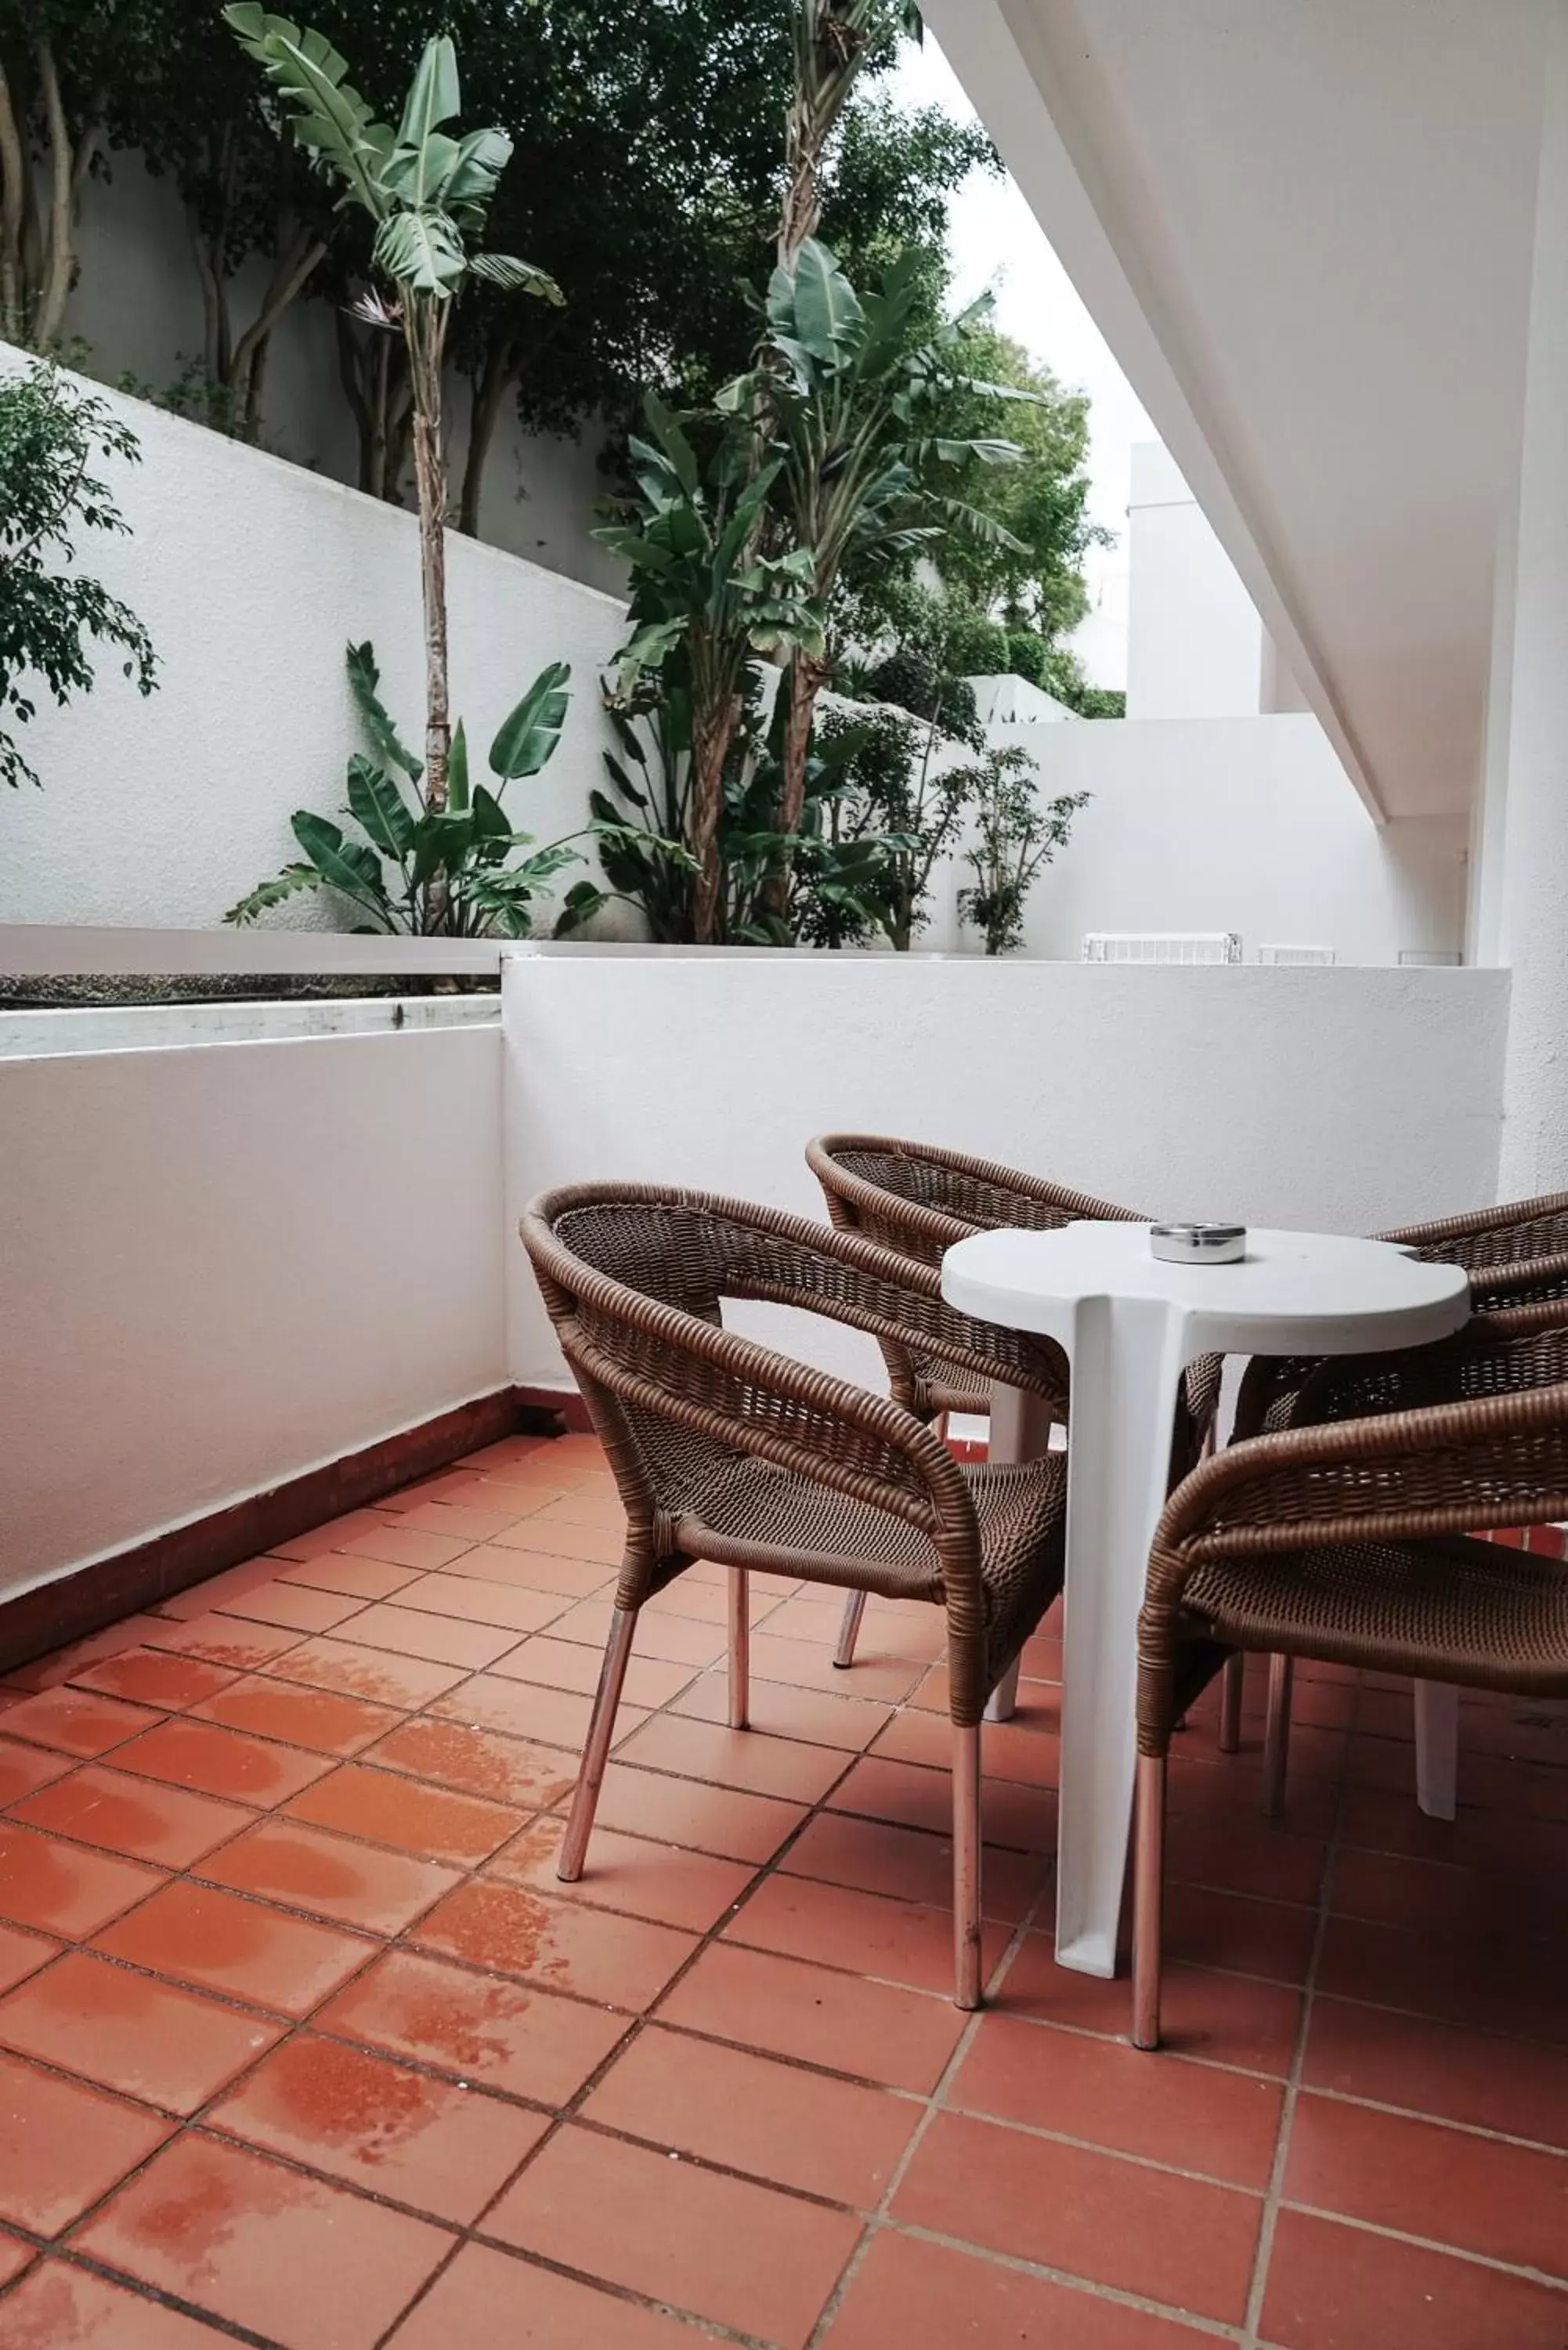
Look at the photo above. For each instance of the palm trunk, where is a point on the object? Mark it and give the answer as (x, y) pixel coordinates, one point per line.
(803, 681)
(713, 730)
(424, 326)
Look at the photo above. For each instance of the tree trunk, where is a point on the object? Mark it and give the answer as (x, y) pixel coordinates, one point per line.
(490, 386)
(803, 681)
(713, 731)
(298, 256)
(424, 326)
(59, 259)
(13, 212)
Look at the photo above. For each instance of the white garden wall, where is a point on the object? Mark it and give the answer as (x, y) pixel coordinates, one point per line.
(1337, 1099)
(251, 575)
(222, 1264)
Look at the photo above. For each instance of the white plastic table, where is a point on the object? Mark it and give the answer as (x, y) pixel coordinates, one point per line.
(1130, 1325)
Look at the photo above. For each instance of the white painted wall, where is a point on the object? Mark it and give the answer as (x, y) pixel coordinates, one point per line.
(1194, 638)
(138, 309)
(222, 1265)
(1236, 824)
(1337, 1099)
(251, 573)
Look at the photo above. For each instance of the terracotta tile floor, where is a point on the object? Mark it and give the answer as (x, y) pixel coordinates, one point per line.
(303, 2044)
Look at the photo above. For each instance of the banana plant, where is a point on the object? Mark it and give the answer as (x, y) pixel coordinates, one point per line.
(429, 195)
(452, 871)
(853, 411)
(704, 601)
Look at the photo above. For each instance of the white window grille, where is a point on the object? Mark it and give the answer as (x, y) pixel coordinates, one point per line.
(1429, 958)
(1170, 946)
(1295, 954)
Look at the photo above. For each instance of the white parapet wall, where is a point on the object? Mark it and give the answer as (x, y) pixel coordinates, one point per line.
(1340, 1100)
(226, 1258)
(251, 575)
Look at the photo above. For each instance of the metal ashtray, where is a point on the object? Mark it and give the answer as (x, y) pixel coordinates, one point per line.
(1197, 1243)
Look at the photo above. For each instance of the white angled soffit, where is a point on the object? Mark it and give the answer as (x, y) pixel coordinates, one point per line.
(1305, 232)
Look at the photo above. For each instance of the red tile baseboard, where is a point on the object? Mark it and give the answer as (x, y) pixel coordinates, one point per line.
(87, 1598)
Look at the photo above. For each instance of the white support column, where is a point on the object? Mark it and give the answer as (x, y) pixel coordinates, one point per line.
(1530, 881)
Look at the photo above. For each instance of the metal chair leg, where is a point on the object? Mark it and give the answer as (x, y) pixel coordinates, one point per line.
(966, 1868)
(1230, 1686)
(596, 1753)
(740, 1648)
(849, 1630)
(1277, 1736)
(1148, 1899)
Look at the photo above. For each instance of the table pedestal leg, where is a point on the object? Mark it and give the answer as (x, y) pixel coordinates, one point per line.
(1020, 1430)
(1126, 1357)
(1436, 1748)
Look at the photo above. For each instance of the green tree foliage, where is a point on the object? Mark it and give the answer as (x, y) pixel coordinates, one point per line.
(1015, 836)
(52, 437)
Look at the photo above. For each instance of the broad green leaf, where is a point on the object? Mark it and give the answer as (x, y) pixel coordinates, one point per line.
(364, 684)
(434, 96)
(582, 901)
(514, 276)
(492, 825)
(347, 865)
(482, 157)
(440, 840)
(417, 175)
(330, 117)
(379, 809)
(527, 739)
(826, 310)
(676, 447)
(457, 792)
(422, 251)
(267, 894)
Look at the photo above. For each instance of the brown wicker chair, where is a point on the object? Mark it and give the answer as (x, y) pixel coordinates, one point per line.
(724, 1450)
(920, 1199)
(1343, 1540)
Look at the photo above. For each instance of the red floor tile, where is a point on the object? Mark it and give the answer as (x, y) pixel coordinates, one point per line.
(808, 1664)
(746, 1759)
(396, 1545)
(63, 2308)
(266, 2248)
(521, 1709)
(872, 2031)
(477, 1763)
(376, 2124)
(908, 1865)
(226, 1640)
(14, 2255)
(146, 2039)
(353, 1578)
(242, 1948)
(1334, 2288)
(137, 1817)
(376, 1675)
(782, 1711)
(565, 1665)
(1227, 2019)
(1505, 2202)
(1514, 2086)
(386, 1808)
(526, 2042)
(1194, 2117)
(677, 1639)
(215, 1590)
(215, 1761)
(471, 1519)
(24, 1768)
(154, 1677)
(525, 1570)
(329, 1876)
(721, 2248)
(1092, 2215)
(894, 1941)
(468, 1599)
(628, 1873)
(777, 2122)
(314, 1718)
(63, 1888)
(1024, 1819)
(296, 1606)
(404, 1632)
(600, 1545)
(21, 1955)
(910, 2295)
(76, 1721)
(1206, 1928)
(686, 1812)
(564, 1945)
(495, 2301)
(327, 1537)
(63, 2145)
(1482, 1978)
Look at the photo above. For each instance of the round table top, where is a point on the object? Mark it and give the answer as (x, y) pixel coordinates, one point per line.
(1293, 1293)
